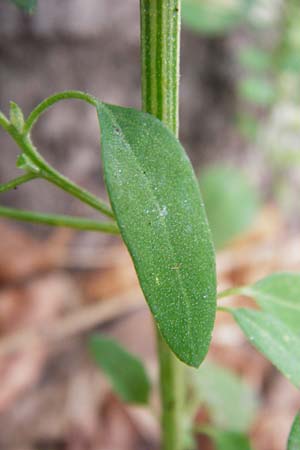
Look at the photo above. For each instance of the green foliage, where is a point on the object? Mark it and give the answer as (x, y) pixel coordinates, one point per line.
(126, 373)
(229, 440)
(273, 338)
(27, 5)
(157, 204)
(255, 59)
(247, 125)
(294, 436)
(16, 117)
(290, 61)
(231, 202)
(213, 17)
(219, 389)
(279, 294)
(259, 91)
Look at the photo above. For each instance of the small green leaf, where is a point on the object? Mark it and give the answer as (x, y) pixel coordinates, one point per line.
(231, 202)
(294, 436)
(279, 294)
(228, 440)
(156, 201)
(218, 389)
(24, 162)
(27, 5)
(253, 58)
(257, 90)
(16, 117)
(272, 338)
(126, 372)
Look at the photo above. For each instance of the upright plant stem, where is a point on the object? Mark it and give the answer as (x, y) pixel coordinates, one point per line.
(160, 40)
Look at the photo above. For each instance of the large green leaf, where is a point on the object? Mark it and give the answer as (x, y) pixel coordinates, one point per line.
(231, 202)
(219, 389)
(156, 200)
(228, 440)
(214, 17)
(272, 338)
(279, 294)
(26, 5)
(294, 437)
(125, 371)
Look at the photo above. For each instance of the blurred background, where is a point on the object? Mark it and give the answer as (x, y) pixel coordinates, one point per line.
(240, 125)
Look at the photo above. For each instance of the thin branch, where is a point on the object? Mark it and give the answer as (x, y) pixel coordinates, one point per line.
(44, 170)
(59, 180)
(50, 101)
(59, 220)
(16, 182)
(229, 292)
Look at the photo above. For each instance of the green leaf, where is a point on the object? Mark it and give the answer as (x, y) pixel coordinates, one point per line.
(211, 18)
(27, 5)
(279, 294)
(156, 200)
(218, 389)
(16, 117)
(294, 436)
(231, 202)
(272, 338)
(255, 59)
(257, 90)
(227, 440)
(290, 61)
(24, 162)
(125, 372)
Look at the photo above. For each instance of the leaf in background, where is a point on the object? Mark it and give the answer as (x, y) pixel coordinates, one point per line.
(279, 294)
(247, 125)
(294, 436)
(255, 59)
(228, 440)
(156, 200)
(27, 5)
(257, 90)
(219, 389)
(272, 338)
(231, 202)
(126, 372)
(214, 18)
(290, 61)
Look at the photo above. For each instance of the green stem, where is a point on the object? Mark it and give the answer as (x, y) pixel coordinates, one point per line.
(50, 101)
(224, 309)
(16, 182)
(57, 220)
(172, 395)
(160, 39)
(43, 169)
(229, 292)
(4, 122)
(53, 176)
